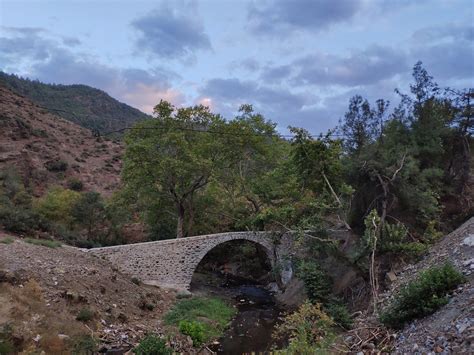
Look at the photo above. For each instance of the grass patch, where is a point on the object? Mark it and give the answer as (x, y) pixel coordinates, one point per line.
(44, 242)
(152, 345)
(7, 240)
(423, 296)
(212, 313)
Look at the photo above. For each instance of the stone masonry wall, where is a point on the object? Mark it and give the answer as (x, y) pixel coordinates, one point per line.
(171, 263)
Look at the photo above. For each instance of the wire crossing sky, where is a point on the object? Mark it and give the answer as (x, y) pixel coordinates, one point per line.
(297, 61)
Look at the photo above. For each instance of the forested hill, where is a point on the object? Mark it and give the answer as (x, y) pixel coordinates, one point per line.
(81, 104)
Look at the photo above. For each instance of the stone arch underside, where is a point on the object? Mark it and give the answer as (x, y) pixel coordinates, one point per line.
(171, 263)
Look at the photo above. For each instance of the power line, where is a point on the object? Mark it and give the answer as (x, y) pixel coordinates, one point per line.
(216, 132)
(189, 129)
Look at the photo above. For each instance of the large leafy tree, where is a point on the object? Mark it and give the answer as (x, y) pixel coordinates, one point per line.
(172, 157)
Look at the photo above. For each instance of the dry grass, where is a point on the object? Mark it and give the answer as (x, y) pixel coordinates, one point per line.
(27, 312)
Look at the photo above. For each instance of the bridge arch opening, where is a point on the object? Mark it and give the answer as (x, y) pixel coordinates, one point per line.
(234, 262)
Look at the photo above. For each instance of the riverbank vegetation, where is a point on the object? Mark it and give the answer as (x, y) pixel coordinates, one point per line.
(202, 318)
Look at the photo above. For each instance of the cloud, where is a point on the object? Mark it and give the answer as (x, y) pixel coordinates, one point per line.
(276, 74)
(140, 88)
(71, 41)
(451, 32)
(278, 104)
(445, 50)
(146, 97)
(361, 67)
(171, 33)
(23, 42)
(288, 15)
(49, 61)
(249, 64)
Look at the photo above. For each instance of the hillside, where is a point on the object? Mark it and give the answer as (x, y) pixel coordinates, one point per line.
(86, 106)
(449, 330)
(48, 150)
(43, 290)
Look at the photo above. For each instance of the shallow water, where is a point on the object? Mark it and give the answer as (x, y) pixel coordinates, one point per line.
(251, 329)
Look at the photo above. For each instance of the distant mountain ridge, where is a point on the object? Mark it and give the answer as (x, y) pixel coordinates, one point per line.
(86, 106)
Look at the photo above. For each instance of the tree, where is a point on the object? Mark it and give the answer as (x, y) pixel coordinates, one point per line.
(319, 168)
(173, 156)
(360, 124)
(89, 211)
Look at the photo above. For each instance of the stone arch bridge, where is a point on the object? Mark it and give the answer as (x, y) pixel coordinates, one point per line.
(172, 262)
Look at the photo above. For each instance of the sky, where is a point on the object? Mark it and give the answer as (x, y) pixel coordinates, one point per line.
(297, 62)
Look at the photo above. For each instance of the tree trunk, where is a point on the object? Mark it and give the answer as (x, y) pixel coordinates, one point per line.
(190, 223)
(180, 227)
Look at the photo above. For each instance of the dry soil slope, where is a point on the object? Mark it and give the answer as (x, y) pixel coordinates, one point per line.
(42, 290)
(31, 138)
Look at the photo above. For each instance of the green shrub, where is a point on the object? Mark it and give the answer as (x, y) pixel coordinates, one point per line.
(194, 329)
(84, 344)
(75, 184)
(21, 220)
(309, 330)
(316, 281)
(56, 205)
(195, 309)
(340, 314)
(85, 315)
(152, 345)
(44, 242)
(423, 296)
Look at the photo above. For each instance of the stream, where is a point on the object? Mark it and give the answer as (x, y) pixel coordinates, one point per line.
(251, 329)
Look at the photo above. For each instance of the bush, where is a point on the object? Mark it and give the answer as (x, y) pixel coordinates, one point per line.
(75, 184)
(85, 315)
(57, 204)
(84, 344)
(316, 281)
(423, 296)
(56, 165)
(44, 242)
(308, 330)
(152, 345)
(194, 329)
(339, 313)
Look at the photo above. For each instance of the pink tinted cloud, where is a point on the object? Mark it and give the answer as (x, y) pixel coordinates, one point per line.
(146, 97)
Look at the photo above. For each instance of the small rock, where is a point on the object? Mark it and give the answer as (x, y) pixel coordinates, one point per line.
(391, 277)
(438, 349)
(469, 240)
